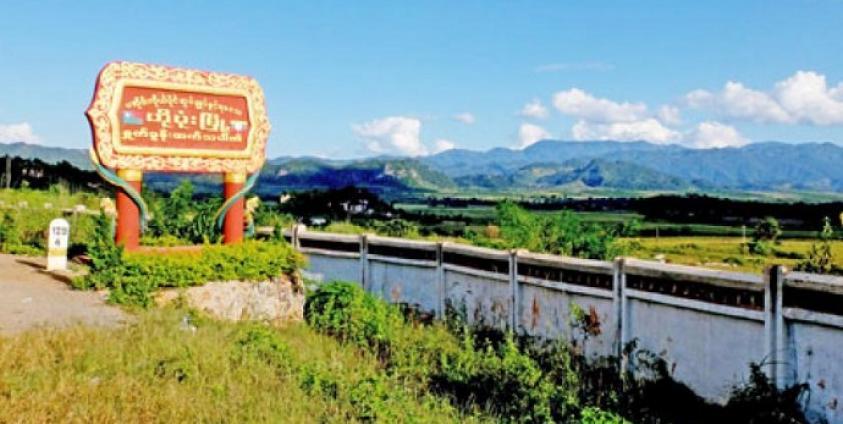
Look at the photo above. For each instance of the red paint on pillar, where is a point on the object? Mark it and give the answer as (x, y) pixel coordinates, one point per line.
(232, 230)
(127, 232)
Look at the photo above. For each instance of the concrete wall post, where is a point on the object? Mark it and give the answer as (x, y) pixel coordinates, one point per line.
(620, 310)
(774, 324)
(440, 281)
(294, 238)
(364, 262)
(515, 302)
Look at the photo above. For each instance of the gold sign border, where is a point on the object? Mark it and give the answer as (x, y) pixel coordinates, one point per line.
(102, 115)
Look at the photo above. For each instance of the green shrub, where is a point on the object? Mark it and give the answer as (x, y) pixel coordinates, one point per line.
(760, 401)
(592, 415)
(820, 258)
(133, 277)
(264, 343)
(371, 396)
(503, 380)
(103, 252)
(520, 380)
(508, 382)
(346, 311)
(733, 260)
(767, 230)
(9, 231)
(397, 228)
(561, 233)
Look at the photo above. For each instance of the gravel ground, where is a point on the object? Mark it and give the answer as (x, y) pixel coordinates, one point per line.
(31, 297)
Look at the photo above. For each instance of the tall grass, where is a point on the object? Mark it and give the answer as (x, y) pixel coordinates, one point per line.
(170, 366)
(529, 380)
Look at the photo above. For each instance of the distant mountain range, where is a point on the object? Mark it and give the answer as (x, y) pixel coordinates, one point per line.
(768, 166)
(550, 165)
(76, 157)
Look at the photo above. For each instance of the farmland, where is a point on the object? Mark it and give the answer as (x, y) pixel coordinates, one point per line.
(726, 253)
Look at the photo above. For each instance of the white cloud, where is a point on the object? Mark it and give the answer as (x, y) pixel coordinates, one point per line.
(670, 115)
(465, 117)
(737, 101)
(803, 98)
(20, 132)
(580, 104)
(605, 119)
(441, 145)
(712, 134)
(808, 98)
(649, 129)
(534, 109)
(392, 135)
(574, 66)
(741, 102)
(699, 98)
(529, 134)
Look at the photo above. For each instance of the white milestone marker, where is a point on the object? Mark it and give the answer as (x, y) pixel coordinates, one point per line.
(57, 245)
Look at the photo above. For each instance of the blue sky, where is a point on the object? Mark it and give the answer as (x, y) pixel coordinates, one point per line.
(351, 79)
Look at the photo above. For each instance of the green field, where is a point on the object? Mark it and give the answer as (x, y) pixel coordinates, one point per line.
(478, 213)
(723, 252)
(488, 213)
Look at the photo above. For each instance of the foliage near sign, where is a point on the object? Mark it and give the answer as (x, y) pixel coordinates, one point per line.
(133, 277)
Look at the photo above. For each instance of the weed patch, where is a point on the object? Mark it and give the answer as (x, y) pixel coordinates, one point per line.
(526, 380)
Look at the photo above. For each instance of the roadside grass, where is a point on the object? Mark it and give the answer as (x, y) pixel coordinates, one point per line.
(172, 366)
(56, 197)
(724, 252)
(25, 216)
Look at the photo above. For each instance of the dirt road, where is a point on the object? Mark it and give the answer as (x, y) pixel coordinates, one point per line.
(31, 297)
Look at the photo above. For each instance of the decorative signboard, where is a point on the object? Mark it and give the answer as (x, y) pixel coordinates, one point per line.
(57, 244)
(157, 118)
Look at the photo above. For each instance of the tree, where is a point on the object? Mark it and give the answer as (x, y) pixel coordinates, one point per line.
(560, 233)
(397, 228)
(767, 230)
(820, 257)
(173, 215)
(518, 227)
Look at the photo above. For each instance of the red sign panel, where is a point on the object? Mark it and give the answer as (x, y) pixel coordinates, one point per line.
(155, 118)
(169, 119)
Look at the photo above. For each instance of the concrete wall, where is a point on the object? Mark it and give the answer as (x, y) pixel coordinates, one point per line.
(810, 339)
(707, 325)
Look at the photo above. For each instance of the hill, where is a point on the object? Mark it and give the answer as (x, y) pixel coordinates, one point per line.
(379, 175)
(768, 166)
(51, 155)
(548, 164)
(382, 175)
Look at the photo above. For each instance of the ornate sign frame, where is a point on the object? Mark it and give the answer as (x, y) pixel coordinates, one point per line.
(112, 152)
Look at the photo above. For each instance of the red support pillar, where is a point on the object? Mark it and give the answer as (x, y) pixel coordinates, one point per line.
(128, 214)
(232, 230)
